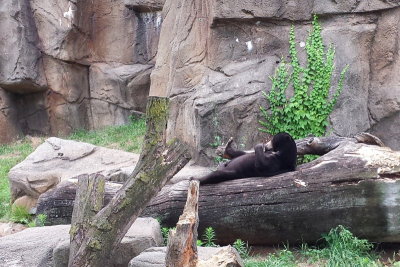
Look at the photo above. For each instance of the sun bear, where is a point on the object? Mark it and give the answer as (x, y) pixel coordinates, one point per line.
(275, 157)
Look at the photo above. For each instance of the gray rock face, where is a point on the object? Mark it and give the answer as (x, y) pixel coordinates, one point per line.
(21, 66)
(9, 129)
(216, 85)
(49, 245)
(116, 92)
(48, 51)
(145, 5)
(57, 160)
(213, 58)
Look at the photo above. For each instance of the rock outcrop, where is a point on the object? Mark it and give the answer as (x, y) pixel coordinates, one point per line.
(58, 160)
(227, 50)
(71, 64)
(51, 57)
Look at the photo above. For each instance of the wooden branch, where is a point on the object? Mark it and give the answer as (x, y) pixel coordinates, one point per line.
(182, 246)
(90, 198)
(158, 162)
(355, 184)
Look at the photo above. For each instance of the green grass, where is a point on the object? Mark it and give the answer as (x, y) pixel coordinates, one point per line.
(341, 249)
(10, 155)
(282, 258)
(127, 137)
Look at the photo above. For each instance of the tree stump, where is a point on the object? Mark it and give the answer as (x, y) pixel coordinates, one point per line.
(159, 161)
(182, 247)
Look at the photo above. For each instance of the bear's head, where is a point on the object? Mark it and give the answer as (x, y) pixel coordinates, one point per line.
(284, 145)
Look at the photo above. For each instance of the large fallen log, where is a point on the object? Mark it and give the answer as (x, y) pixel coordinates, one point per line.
(354, 184)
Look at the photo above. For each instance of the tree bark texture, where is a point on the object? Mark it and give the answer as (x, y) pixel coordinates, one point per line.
(90, 196)
(182, 246)
(354, 184)
(158, 162)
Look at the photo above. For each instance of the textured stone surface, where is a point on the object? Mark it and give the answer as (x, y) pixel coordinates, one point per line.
(33, 246)
(145, 5)
(10, 228)
(9, 129)
(68, 98)
(21, 67)
(57, 160)
(49, 245)
(225, 257)
(213, 59)
(48, 51)
(155, 256)
(227, 50)
(116, 92)
(62, 28)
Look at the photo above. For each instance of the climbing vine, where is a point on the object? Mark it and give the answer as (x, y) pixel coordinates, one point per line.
(307, 111)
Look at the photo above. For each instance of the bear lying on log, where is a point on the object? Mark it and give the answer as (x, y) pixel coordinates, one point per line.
(277, 156)
(356, 183)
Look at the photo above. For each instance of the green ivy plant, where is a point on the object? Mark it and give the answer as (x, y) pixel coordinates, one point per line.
(307, 111)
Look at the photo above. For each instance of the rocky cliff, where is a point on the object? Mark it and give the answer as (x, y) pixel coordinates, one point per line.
(81, 64)
(66, 65)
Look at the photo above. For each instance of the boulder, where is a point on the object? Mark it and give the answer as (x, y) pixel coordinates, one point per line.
(225, 257)
(49, 245)
(155, 256)
(33, 246)
(10, 228)
(116, 92)
(57, 160)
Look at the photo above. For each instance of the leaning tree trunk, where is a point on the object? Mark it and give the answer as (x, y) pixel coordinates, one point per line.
(93, 238)
(353, 184)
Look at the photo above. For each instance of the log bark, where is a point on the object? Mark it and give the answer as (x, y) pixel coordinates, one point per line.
(158, 162)
(182, 246)
(90, 196)
(353, 184)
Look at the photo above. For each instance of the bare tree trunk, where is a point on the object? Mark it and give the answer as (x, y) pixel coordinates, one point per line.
(158, 162)
(182, 246)
(90, 199)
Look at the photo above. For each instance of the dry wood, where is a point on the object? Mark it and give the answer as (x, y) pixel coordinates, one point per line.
(158, 162)
(182, 247)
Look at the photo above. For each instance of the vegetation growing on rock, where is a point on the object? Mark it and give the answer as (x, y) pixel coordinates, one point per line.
(307, 111)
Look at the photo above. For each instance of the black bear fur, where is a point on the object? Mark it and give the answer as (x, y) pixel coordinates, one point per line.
(278, 156)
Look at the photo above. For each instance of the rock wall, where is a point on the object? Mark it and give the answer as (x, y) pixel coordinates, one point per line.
(72, 64)
(66, 65)
(215, 58)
